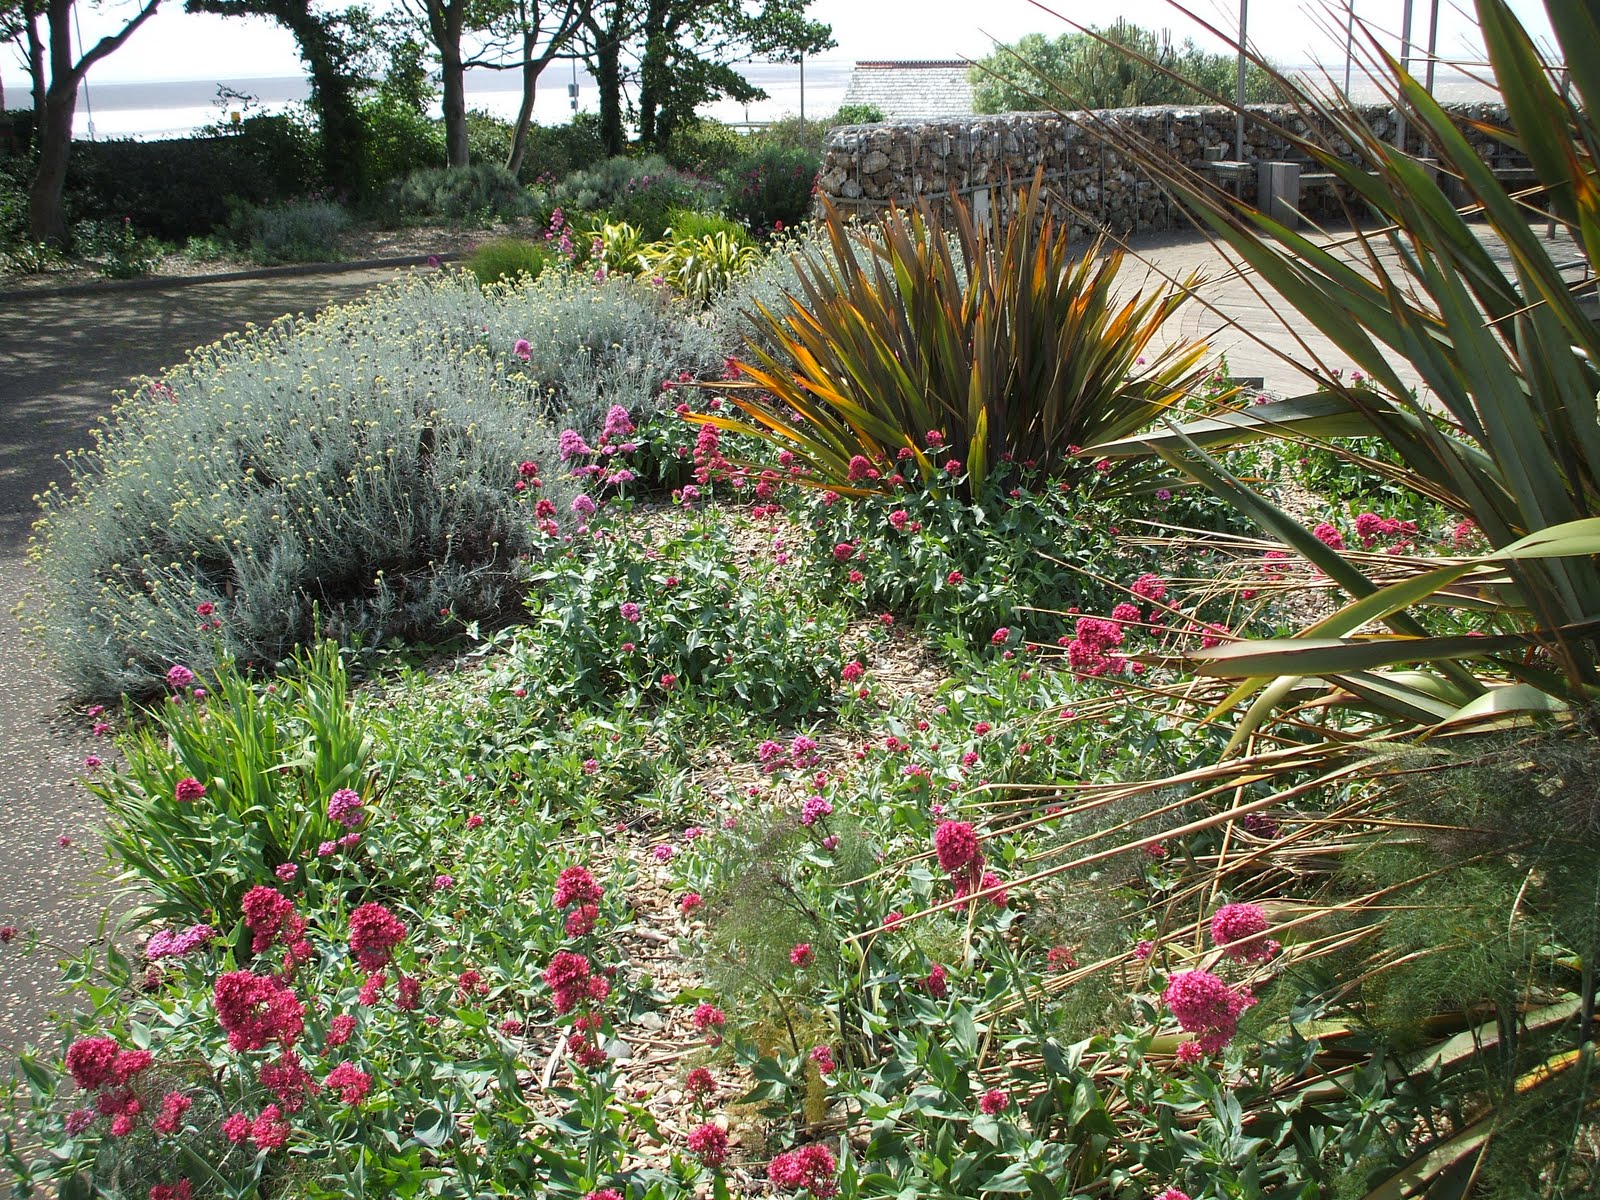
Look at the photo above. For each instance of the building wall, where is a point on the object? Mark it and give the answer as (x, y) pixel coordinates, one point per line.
(865, 167)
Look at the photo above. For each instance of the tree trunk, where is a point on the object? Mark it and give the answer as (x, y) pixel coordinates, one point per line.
(652, 73)
(531, 70)
(445, 20)
(453, 83)
(333, 98)
(608, 81)
(47, 217)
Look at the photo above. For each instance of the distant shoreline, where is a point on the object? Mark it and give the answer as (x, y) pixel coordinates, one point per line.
(150, 110)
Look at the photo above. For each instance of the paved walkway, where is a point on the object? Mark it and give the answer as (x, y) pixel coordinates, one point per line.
(61, 358)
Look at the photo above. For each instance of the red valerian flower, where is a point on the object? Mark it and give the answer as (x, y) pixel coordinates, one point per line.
(1237, 928)
(189, 790)
(810, 1167)
(576, 885)
(802, 955)
(374, 933)
(710, 1144)
(994, 1101)
(270, 1131)
(170, 1191)
(936, 983)
(1205, 1005)
(568, 977)
(92, 1061)
(256, 1009)
(350, 1082)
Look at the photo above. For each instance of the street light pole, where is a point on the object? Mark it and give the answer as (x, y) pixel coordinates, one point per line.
(1405, 68)
(1238, 86)
(802, 88)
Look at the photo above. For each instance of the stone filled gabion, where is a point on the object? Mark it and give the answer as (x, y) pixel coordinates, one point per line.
(865, 167)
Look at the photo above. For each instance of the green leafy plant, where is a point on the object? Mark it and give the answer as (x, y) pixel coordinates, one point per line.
(507, 258)
(698, 267)
(267, 761)
(991, 337)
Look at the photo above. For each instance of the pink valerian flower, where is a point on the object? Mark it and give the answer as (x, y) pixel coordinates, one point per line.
(256, 1009)
(630, 612)
(700, 1084)
(853, 671)
(1206, 1005)
(583, 506)
(823, 1057)
(1062, 958)
(188, 790)
(171, 1191)
(1144, 949)
(270, 917)
(523, 349)
(568, 977)
(474, 821)
(814, 809)
(710, 1144)
(339, 1030)
(1150, 588)
(270, 1131)
(937, 983)
(79, 1120)
(581, 921)
(1172, 1193)
(443, 883)
(1368, 526)
(956, 845)
(8, 934)
(576, 885)
(1329, 536)
(350, 1082)
(511, 1027)
(286, 872)
(1466, 535)
(1237, 928)
(709, 1020)
(1126, 614)
(994, 1102)
(663, 852)
(92, 1061)
(811, 1167)
(166, 944)
(991, 880)
(604, 1194)
(236, 1128)
(860, 469)
(374, 934)
(344, 807)
(1000, 636)
(288, 1079)
(802, 955)
(1189, 1053)
(179, 678)
(690, 902)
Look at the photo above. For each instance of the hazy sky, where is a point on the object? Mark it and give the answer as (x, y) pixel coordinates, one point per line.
(176, 45)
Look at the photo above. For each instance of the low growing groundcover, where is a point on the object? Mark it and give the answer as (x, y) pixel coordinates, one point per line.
(711, 873)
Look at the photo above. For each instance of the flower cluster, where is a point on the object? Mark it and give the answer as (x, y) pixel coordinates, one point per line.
(270, 917)
(1087, 653)
(1237, 928)
(811, 1167)
(613, 441)
(167, 944)
(374, 934)
(1206, 1006)
(956, 845)
(344, 807)
(255, 1010)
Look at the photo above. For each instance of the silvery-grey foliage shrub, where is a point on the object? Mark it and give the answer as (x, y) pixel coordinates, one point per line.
(300, 231)
(357, 469)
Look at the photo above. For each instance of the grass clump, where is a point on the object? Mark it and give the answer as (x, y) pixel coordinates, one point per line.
(507, 258)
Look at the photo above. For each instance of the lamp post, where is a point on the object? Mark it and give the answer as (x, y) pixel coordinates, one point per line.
(1238, 86)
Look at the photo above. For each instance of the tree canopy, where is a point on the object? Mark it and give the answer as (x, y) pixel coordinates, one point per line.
(1080, 70)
